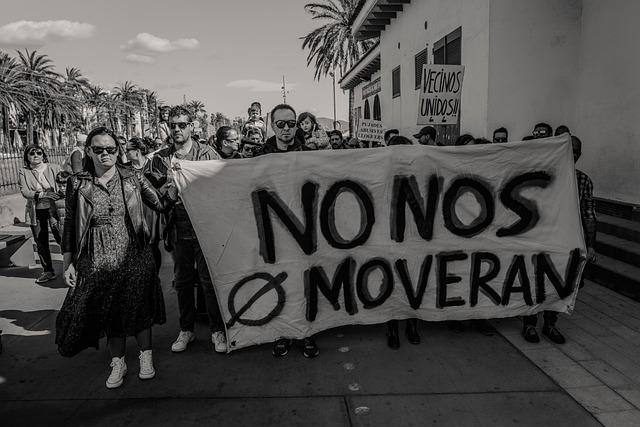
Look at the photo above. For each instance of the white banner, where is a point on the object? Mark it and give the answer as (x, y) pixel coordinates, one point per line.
(300, 242)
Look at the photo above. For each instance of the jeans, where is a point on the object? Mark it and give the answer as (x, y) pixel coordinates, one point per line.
(185, 253)
(550, 318)
(41, 236)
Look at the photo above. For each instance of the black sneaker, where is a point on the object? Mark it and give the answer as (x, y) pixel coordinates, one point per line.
(553, 334)
(281, 347)
(412, 332)
(309, 348)
(530, 334)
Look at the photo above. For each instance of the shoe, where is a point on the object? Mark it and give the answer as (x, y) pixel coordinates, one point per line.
(530, 334)
(118, 371)
(46, 276)
(484, 327)
(183, 340)
(146, 365)
(553, 334)
(412, 331)
(309, 348)
(393, 341)
(219, 342)
(281, 347)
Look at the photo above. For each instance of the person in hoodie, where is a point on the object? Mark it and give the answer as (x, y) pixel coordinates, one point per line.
(227, 143)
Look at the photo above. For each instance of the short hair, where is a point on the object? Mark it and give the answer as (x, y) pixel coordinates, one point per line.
(179, 110)
(501, 130)
(547, 126)
(256, 104)
(562, 129)
(528, 138)
(399, 140)
(221, 134)
(464, 139)
(432, 132)
(388, 133)
(481, 141)
(335, 132)
(282, 107)
(30, 147)
(139, 144)
(253, 131)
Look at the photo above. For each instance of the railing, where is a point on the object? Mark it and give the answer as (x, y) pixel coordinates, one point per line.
(11, 161)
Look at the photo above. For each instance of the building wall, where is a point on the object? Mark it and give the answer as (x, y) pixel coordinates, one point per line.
(408, 30)
(608, 103)
(532, 72)
(359, 102)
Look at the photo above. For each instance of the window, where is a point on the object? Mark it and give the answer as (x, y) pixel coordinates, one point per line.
(395, 82)
(367, 110)
(420, 60)
(377, 114)
(448, 50)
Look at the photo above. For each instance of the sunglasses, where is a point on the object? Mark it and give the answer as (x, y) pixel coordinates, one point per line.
(100, 150)
(181, 125)
(35, 153)
(280, 124)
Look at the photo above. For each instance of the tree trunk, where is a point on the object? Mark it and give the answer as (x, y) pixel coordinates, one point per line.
(29, 128)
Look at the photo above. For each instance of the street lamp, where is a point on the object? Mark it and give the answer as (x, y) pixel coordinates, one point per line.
(333, 77)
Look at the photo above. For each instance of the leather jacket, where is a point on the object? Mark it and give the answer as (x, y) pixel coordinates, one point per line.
(79, 207)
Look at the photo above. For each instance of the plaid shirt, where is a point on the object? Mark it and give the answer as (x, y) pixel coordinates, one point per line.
(587, 207)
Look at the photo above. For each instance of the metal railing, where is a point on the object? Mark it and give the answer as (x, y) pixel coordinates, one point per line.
(11, 161)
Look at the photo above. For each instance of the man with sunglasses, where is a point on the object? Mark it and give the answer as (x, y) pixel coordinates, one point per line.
(284, 125)
(190, 266)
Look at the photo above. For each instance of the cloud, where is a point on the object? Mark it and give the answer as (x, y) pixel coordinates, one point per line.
(139, 59)
(145, 43)
(259, 85)
(37, 33)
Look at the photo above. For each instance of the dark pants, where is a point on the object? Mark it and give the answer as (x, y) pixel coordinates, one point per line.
(41, 236)
(185, 253)
(157, 255)
(550, 318)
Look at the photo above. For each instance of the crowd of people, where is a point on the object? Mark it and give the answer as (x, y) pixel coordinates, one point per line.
(115, 200)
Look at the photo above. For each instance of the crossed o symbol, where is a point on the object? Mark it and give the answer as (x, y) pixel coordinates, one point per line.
(272, 282)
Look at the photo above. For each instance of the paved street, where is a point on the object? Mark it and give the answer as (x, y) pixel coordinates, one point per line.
(452, 378)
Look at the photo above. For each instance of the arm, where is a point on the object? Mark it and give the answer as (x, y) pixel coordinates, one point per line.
(151, 198)
(27, 192)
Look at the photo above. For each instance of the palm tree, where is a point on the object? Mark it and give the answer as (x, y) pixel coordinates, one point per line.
(45, 85)
(196, 107)
(333, 46)
(96, 99)
(129, 98)
(14, 92)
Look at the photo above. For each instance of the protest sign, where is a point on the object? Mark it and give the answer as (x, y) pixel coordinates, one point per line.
(440, 91)
(300, 242)
(371, 130)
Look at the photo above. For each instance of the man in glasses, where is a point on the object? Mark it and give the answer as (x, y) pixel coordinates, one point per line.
(189, 264)
(284, 125)
(542, 130)
(500, 135)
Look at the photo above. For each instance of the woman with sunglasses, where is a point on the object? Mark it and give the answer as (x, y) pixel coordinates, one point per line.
(115, 290)
(38, 185)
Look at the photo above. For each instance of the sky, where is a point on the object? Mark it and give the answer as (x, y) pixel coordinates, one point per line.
(223, 53)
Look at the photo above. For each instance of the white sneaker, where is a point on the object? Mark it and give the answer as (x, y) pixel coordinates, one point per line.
(146, 365)
(118, 371)
(183, 340)
(219, 341)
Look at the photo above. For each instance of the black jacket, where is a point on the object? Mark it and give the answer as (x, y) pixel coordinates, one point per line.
(270, 146)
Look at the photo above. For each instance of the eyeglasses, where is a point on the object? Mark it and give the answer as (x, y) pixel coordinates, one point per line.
(280, 124)
(100, 150)
(35, 153)
(181, 125)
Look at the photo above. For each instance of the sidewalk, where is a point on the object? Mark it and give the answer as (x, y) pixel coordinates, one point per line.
(451, 379)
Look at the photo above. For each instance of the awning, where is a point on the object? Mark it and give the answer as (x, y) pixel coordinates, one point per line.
(363, 69)
(374, 16)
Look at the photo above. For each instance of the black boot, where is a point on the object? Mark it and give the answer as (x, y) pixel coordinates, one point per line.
(412, 331)
(393, 341)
